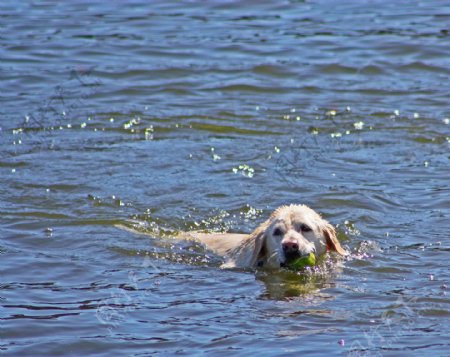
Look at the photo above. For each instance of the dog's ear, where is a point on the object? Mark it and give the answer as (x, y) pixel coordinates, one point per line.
(246, 254)
(332, 242)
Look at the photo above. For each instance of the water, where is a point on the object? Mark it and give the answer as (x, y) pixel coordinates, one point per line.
(172, 116)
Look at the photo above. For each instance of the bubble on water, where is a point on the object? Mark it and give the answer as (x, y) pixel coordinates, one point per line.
(350, 228)
(250, 213)
(416, 115)
(446, 121)
(148, 133)
(364, 250)
(397, 112)
(245, 170)
(129, 124)
(358, 125)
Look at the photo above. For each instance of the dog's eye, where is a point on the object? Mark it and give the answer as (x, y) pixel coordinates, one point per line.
(277, 232)
(305, 228)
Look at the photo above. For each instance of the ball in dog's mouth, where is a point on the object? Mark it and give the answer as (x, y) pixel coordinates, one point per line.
(302, 262)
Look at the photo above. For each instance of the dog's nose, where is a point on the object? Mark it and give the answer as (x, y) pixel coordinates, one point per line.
(290, 246)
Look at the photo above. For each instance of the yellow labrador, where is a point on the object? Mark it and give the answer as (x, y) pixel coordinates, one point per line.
(289, 233)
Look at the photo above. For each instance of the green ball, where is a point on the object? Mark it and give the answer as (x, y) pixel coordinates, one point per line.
(301, 263)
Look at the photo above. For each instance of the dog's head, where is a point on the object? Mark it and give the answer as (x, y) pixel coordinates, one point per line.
(290, 232)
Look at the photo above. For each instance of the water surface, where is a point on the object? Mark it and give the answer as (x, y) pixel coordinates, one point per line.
(171, 116)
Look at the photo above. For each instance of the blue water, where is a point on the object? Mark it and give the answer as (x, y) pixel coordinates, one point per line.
(172, 116)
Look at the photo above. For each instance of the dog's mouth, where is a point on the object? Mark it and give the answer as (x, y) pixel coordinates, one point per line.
(292, 257)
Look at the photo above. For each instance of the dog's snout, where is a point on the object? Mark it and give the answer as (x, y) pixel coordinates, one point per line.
(290, 246)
